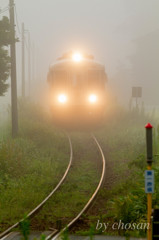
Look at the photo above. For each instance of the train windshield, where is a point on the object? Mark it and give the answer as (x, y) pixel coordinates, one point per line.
(77, 79)
(60, 78)
(91, 78)
(95, 78)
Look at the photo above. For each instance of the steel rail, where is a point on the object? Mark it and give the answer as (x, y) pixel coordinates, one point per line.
(38, 208)
(52, 235)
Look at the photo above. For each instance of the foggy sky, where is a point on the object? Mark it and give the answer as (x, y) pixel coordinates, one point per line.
(108, 29)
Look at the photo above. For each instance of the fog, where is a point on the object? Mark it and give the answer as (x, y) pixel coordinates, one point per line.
(121, 34)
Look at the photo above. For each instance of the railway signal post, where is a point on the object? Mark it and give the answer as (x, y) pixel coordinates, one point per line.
(149, 178)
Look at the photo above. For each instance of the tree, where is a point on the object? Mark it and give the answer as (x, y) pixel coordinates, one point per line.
(4, 56)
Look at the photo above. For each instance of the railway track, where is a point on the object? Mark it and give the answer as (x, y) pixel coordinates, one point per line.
(90, 201)
(4, 234)
(56, 235)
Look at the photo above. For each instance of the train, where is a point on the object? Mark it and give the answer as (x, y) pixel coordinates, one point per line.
(78, 89)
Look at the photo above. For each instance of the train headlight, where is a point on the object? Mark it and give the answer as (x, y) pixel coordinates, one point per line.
(62, 98)
(77, 57)
(92, 98)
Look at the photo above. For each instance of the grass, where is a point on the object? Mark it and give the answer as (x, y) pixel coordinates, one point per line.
(4, 130)
(38, 157)
(30, 165)
(74, 194)
(123, 196)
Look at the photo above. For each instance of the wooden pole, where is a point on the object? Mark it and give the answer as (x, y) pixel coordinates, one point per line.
(13, 72)
(23, 61)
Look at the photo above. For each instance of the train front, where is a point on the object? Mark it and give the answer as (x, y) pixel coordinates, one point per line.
(77, 90)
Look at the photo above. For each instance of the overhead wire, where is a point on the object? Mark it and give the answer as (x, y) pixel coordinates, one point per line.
(4, 9)
(19, 31)
(17, 21)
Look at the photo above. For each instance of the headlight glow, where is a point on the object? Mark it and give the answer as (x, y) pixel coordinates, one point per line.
(92, 98)
(77, 57)
(62, 98)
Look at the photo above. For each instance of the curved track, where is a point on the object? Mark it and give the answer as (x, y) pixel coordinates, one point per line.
(57, 236)
(38, 208)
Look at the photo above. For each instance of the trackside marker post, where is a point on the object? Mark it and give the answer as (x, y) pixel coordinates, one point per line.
(149, 178)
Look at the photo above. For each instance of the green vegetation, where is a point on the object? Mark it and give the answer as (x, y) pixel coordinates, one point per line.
(78, 188)
(37, 159)
(123, 197)
(4, 130)
(25, 228)
(31, 165)
(128, 201)
(4, 57)
(65, 235)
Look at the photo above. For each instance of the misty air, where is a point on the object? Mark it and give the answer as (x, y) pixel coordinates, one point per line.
(79, 119)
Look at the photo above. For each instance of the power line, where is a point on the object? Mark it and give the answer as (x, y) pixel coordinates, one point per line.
(4, 10)
(17, 21)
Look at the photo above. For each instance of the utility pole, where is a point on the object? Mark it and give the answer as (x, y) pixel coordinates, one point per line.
(23, 61)
(33, 63)
(29, 63)
(13, 72)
